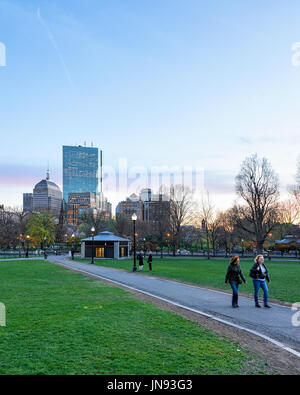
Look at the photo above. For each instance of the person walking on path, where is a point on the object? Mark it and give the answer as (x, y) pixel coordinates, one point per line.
(150, 261)
(259, 275)
(235, 277)
(140, 259)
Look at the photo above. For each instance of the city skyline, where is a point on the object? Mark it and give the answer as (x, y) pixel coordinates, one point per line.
(166, 84)
(116, 196)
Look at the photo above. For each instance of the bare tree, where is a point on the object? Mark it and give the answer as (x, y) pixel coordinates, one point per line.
(295, 192)
(288, 216)
(123, 225)
(161, 222)
(13, 223)
(298, 171)
(191, 236)
(208, 218)
(288, 212)
(8, 231)
(98, 221)
(258, 185)
(181, 205)
(226, 229)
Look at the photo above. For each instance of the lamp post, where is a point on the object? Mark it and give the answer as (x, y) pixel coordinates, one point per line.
(44, 247)
(134, 218)
(269, 249)
(20, 238)
(73, 250)
(93, 234)
(168, 240)
(27, 251)
(144, 246)
(65, 246)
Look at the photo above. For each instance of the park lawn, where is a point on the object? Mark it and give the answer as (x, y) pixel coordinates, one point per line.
(285, 276)
(18, 257)
(11, 257)
(61, 322)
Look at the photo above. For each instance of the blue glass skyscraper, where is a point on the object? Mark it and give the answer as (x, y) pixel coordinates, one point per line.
(80, 170)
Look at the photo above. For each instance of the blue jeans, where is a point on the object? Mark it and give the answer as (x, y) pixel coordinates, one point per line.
(235, 293)
(257, 284)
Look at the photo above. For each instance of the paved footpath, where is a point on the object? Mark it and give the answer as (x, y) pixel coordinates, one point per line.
(275, 323)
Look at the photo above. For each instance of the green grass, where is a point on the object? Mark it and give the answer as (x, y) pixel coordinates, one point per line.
(17, 256)
(285, 276)
(60, 322)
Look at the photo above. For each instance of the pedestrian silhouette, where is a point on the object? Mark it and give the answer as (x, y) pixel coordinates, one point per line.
(150, 261)
(140, 259)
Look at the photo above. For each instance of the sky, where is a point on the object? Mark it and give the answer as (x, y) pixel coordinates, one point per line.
(185, 83)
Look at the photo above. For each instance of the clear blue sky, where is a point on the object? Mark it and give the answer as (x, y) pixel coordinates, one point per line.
(168, 82)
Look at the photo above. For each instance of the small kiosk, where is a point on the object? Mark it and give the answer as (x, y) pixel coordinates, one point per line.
(106, 245)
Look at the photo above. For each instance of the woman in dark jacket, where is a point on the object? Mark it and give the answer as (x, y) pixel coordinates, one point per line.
(235, 277)
(259, 274)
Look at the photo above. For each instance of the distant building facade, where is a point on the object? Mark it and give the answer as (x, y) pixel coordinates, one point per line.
(156, 209)
(28, 202)
(146, 195)
(77, 203)
(104, 205)
(132, 205)
(80, 170)
(47, 196)
(147, 206)
(93, 203)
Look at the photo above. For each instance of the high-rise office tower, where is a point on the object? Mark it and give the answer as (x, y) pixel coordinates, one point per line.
(80, 170)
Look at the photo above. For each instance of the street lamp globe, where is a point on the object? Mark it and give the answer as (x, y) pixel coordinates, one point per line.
(134, 217)
(93, 230)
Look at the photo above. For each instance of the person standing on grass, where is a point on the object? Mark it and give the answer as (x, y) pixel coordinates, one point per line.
(259, 275)
(150, 261)
(235, 277)
(140, 259)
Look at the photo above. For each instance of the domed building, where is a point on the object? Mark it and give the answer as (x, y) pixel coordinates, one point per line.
(47, 196)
